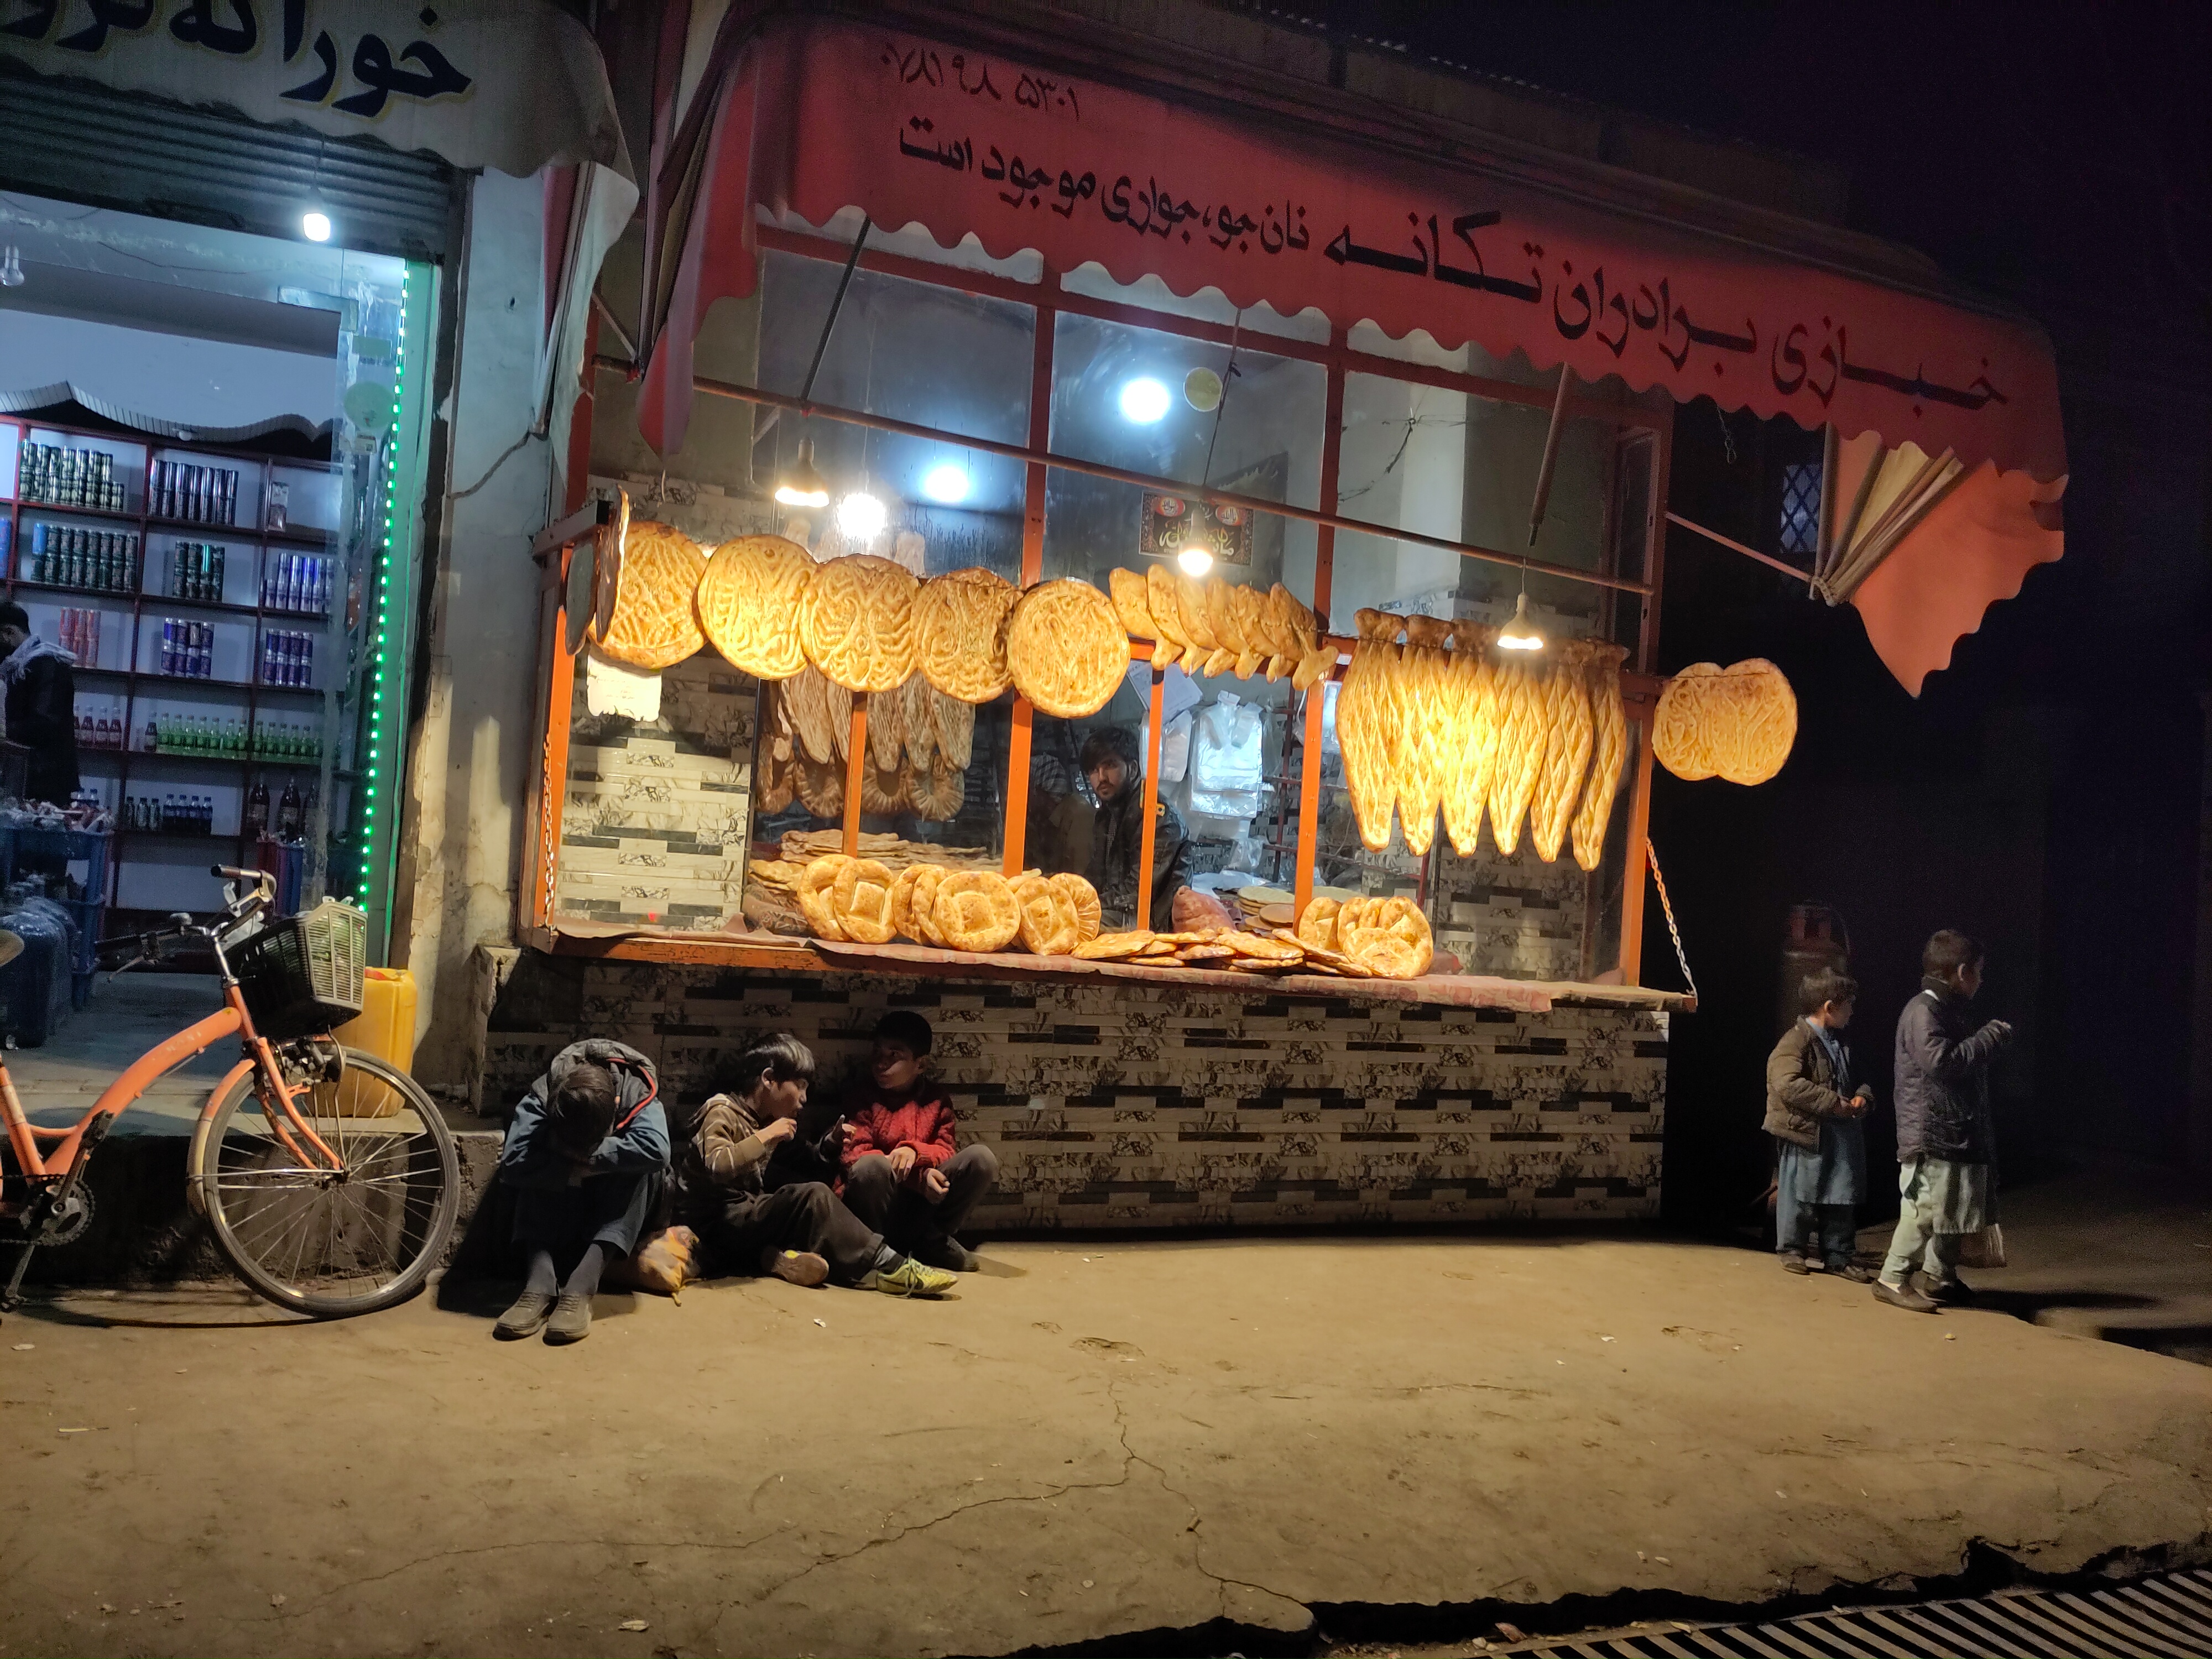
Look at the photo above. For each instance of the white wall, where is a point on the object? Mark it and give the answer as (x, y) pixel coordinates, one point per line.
(469, 771)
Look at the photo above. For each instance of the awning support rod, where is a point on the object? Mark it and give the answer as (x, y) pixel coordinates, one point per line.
(1551, 452)
(836, 305)
(753, 394)
(1733, 546)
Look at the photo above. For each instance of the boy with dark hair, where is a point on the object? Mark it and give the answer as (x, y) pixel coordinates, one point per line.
(1816, 1115)
(904, 1173)
(1944, 1138)
(799, 1230)
(585, 1154)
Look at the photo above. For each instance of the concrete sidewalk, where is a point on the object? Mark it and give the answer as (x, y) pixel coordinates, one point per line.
(1088, 1443)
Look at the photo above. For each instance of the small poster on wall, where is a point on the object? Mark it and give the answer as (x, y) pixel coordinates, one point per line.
(1171, 523)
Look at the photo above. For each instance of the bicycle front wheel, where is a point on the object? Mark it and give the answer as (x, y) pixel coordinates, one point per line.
(333, 1242)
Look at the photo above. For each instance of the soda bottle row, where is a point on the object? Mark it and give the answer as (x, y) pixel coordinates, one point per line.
(70, 555)
(196, 494)
(195, 734)
(295, 582)
(170, 815)
(81, 633)
(195, 571)
(294, 808)
(288, 742)
(187, 648)
(99, 731)
(286, 658)
(55, 477)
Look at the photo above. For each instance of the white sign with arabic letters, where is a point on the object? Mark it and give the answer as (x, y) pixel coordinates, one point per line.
(511, 84)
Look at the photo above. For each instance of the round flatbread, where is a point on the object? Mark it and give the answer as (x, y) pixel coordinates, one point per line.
(1116, 947)
(815, 883)
(976, 911)
(903, 886)
(1398, 918)
(821, 788)
(856, 622)
(1388, 956)
(1048, 925)
(656, 622)
(1737, 723)
(957, 622)
(748, 604)
(1261, 949)
(1084, 897)
(938, 794)
(1066, 649)
(860, 900)
(923, 906)
(1317, 926)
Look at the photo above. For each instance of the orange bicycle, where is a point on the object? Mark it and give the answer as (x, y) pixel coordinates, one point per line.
(329, 1178)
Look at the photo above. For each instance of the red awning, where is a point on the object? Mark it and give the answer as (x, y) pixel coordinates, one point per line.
(820, 114)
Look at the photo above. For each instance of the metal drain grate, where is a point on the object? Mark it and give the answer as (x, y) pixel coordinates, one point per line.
(2168, 1617)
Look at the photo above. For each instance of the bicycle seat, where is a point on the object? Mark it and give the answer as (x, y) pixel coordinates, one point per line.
(11, 946)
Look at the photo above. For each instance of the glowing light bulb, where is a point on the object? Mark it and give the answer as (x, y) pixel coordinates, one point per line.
(1144, 401)
(803, 486)
(315, 226)
(860, 516)
(1196, 560)
(946, 483)
(1520, 634)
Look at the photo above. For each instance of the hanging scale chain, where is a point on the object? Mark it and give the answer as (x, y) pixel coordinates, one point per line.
(1667, 905)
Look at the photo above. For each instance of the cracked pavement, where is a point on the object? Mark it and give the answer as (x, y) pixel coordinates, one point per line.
(1091, 1439)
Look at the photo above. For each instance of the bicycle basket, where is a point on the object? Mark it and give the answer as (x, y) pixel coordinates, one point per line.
(303, 975)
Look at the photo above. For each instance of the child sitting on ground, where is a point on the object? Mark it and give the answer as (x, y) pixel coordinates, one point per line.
(800, 1230)
(902, 1173)
(1817, 1117)
(585, 1156)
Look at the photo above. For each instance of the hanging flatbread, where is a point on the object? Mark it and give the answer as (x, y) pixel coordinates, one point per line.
(1609, 749)
(1167, 616)
(957, 622)
(656, 622)
(956, 730)
(938, 794)
(821, 714)
(918, 700)
(856, 622)
(1567, 758)
(1066, 649)
(748, 602)
(1737, 723)
(821, 788)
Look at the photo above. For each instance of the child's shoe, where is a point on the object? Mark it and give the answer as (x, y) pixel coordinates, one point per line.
(911, 1278)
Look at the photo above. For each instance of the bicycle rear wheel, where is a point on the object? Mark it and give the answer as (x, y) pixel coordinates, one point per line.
(332, 1242)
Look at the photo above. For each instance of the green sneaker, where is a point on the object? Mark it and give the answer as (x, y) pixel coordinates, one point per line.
(911, 1278)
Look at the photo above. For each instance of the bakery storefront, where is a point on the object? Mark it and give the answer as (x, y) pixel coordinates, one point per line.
(1196, 634)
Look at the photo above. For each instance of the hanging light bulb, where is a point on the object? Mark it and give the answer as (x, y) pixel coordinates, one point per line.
(860, 517)
(1520, 633)
(315, 225)
(11, 269)
(1195, 558)
(803, 486)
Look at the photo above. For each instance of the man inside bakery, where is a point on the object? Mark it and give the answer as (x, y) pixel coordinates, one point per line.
(1113, 760)
(41, 706)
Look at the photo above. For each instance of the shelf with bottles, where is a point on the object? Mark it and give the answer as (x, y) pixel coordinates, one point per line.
(178, 736)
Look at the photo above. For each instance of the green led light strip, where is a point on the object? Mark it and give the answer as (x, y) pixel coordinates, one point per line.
(371, 770)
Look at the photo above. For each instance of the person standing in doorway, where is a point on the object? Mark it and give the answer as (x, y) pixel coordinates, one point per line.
(1945, 1144)
(1816, 1114)
(41, 706)
(1113, 760)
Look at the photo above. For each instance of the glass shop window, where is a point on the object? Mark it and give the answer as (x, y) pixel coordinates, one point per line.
(956, 362)
(1172, 407)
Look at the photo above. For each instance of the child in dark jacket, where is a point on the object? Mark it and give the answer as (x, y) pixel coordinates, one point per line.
(585, 1155)
(904, 1174)
(749, 1185)
(1816, 1113)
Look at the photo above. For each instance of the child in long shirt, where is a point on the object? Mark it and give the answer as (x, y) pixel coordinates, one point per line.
(904, 1173)
(733, 1190)
(585, 1155)
(1816, 1115)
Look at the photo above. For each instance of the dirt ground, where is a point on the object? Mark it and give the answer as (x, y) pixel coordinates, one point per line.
(1091, 1441)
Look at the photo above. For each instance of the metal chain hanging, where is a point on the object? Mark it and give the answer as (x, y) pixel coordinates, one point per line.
(1667, 905)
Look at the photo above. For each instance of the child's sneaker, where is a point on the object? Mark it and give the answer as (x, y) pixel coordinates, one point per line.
(801, 1267)
(911, 1278)
(1793, 1263)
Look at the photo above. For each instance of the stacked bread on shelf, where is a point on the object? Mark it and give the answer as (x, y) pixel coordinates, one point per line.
(1432, 721)
(866, 901)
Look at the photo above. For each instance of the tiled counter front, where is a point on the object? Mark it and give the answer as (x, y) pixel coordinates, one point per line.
(1161, 1106)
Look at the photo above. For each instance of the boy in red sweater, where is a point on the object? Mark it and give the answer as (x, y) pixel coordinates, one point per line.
(904, 1176)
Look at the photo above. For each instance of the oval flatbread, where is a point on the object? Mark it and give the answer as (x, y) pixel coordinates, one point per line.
(902, 889)
(957, 619)
(748, 604)
(1116, 947)
(1737, 722)
(856, 622)
(938, 794)
(1388, 956)
(1085, 897)
(923, 905)
(1065, 650)
(815, 882)
(821, 788)
(861, 900)
(656, 622)
(1048, 927)
(1317, 926)
(976, 911)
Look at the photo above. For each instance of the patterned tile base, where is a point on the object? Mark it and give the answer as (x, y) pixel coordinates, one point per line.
(1163, 1106)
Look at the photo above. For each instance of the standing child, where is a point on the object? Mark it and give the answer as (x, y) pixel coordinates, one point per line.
(1817, 1114)
(585, 1154)
(1944, 1138)
(902, 1172)
(742, 1186)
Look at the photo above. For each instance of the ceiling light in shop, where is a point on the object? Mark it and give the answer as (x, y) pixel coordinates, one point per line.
(1144, 401)
(1196, 559)
(315, 226)
(803, 486)
(1520, 633)
(945, 484)
(860, 516)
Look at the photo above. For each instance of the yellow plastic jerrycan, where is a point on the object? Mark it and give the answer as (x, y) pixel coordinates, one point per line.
(386, 1028)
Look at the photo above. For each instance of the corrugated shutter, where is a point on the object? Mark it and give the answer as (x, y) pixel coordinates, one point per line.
(89, 144)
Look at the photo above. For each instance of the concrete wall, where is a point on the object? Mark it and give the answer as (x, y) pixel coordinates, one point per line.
(469, 755)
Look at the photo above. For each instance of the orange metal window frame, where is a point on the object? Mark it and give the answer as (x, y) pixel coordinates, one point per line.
(1046, 298)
